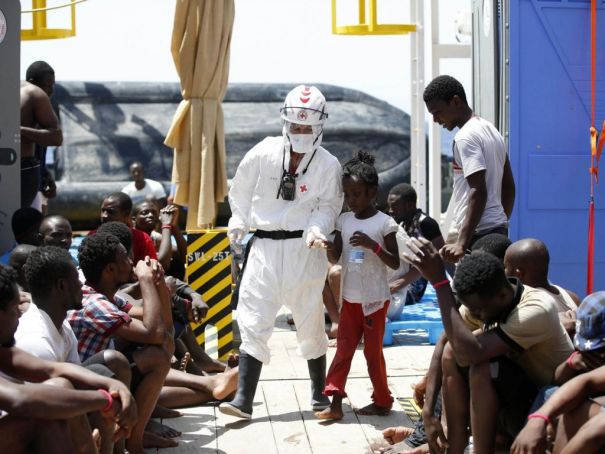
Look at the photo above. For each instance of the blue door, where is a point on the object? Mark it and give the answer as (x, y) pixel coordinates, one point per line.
(549, 101)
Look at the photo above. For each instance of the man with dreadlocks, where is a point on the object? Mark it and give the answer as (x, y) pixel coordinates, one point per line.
(288, 189)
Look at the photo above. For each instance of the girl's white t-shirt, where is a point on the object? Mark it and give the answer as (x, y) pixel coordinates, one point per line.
(368, 284)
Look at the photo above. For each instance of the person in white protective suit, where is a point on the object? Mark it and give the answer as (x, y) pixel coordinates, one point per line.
(289, 189)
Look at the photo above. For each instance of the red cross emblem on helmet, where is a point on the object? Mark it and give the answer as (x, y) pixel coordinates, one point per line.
(302, 115)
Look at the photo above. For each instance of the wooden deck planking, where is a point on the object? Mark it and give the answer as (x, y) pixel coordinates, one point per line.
(285, 413)
(283, 421)
(332, 436)
(198, 427)
(410, 361)
(402, 387)
(241, 436)
(360, 391)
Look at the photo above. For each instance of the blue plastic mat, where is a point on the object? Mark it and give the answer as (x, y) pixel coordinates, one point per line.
(424, 315)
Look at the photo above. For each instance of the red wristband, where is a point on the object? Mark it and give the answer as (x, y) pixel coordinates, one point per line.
(539, 416)
(377, 249)
(436, 285)
(109, 400)
(167, 226)
(570, 359)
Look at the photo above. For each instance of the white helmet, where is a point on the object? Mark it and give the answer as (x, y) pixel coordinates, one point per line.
(304, 105)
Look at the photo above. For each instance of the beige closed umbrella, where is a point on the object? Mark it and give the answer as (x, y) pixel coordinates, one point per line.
(200, 48)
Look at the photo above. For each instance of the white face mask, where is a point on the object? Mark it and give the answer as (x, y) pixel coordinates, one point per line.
(301, 143)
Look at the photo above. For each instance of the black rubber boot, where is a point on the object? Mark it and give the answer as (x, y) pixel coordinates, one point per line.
(317, 373)
(249, 373)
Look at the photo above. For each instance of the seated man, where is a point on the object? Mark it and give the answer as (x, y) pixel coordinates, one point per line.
(24, 224)
(180, 291)
(493, 243)
(407, 285)
(528, 260)
(55, 230)
(17, 260)
(142, 188)
(195, 311)
(573, 410)
(428, 432)
(117, 207)
(499, 368)
(106, 316)
(45, 333)
(106, 267)
(35, 415)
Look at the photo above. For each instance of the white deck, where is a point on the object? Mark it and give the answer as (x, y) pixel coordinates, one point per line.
(282, 420)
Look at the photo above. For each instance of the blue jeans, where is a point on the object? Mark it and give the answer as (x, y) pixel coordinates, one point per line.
(544, 394)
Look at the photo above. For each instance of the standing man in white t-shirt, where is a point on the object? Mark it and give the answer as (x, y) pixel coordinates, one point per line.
(142, 188)
(484, 187)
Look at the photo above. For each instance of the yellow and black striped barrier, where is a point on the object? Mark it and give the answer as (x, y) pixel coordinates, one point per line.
(209, 274)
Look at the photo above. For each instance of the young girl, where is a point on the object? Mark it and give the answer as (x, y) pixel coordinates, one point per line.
(366, 238)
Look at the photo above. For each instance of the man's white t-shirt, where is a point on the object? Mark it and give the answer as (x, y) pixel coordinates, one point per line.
(38, 336)
(479, 146)
(151, 190)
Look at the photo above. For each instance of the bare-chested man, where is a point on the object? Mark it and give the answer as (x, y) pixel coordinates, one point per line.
(39, 125)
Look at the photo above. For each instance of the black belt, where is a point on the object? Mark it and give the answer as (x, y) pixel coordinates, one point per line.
(278, 234)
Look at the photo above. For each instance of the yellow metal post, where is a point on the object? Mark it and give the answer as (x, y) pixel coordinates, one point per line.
(40, 28)
(373, 17)
(368, 25)
(39, 17)
(362, 11)
(209, 274)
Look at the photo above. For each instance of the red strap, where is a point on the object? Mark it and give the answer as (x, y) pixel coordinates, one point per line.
(590, 269)
(539, 416)
(377, 249)
(593, 56)
(569, 361)
(436, 285)
(109, 398)
(595, 149)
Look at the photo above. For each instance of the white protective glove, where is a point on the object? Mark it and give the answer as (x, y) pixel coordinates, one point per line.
(315, 239)
(236, 237)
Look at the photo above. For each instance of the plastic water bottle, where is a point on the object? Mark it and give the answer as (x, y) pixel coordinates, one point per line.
(356, 256)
